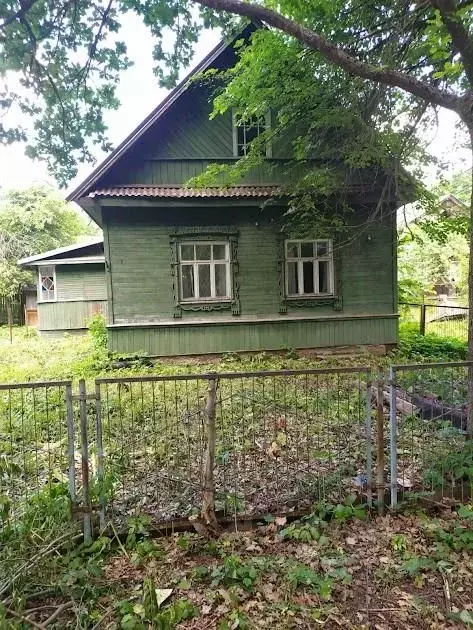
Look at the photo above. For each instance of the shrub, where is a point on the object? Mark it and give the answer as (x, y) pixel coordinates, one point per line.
(412, 345)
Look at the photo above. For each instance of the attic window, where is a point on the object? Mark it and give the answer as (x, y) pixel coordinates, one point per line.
(204, 271)
(248, 129)
(47, 284)
(309, 268)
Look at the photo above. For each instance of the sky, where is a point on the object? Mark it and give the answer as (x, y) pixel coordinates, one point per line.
(139, 93)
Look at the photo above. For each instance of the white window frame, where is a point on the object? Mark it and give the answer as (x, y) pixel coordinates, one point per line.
(267, 125)
(212, 263)
(41, 275)
(300, 269)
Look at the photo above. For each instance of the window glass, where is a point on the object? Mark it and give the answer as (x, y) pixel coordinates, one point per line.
(309, 268)
(308, 276)
(47, 284)
(187, 252)
(292, 250)
(204, 271)
(219, 252)
(307, 250)
(248, 130)
(220, 280)
(188, 281)
(202, 252)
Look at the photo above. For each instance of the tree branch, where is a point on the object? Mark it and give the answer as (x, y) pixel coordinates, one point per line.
(461, 38)
(25, 7)
(336, 55)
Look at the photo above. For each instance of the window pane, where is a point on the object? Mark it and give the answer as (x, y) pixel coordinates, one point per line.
(292, 283)
(324, 276)
(202, 252)
(187, 252)
(292, 250)
(221, 280)
(307, 250)
(188, 290)
(219, 252)
(322, 248)
(204, 281)
(308, 274)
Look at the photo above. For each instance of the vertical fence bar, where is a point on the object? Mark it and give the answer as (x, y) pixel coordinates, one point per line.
(422, 319)
(70, 444)
(100, 470)
(380, 483)
(208, 479)
(85, 460)
(369, 451)
(393, 436)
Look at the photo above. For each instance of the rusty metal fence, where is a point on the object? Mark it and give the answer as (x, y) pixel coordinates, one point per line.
(284, 440)
(439, 319)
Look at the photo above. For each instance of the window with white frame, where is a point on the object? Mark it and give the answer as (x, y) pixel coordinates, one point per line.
(204, 271)
(309, 268)
(245, 130)
(47, 284)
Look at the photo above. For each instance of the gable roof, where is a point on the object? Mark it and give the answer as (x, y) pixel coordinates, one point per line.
(76, 254)
(154, 116)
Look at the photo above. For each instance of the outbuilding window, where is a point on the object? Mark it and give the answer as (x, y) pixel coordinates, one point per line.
(47, 284)
(204, 271)
(309, 268)
(245, 130)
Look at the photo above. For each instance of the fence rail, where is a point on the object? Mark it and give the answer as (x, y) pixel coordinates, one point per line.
(441, 319)
(283, 441)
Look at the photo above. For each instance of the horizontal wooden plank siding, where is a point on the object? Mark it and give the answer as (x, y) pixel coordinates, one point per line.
(215, 338)
(140, 263)
(68, 316)
(81, 282)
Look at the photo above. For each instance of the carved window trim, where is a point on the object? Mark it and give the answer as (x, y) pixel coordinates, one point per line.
(210, 234)
(308, 301)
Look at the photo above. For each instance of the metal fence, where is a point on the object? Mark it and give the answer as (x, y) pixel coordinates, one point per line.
(440, 319)
(283, 441)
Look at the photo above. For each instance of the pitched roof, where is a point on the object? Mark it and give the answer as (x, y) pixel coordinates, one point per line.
(68, 249)
(150, 120)
(181, 192)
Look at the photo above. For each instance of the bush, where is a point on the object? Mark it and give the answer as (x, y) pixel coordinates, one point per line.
(414, 346)
(98, 331)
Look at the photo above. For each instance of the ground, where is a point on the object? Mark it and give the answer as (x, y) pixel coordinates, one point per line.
(339, 568)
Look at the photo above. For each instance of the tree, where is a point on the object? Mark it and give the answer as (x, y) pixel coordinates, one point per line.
(31, 221)
(420, 52)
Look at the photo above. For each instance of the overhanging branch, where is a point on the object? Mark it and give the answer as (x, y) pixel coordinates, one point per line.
(352, 65)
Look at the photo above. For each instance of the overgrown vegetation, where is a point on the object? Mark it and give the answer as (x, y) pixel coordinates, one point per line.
(408, 571)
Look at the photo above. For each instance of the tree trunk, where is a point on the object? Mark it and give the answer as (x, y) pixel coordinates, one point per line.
(470, 304)
(10, 319)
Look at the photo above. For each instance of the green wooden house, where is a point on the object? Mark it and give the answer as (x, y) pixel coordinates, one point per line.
(71, 286)
(208, 270)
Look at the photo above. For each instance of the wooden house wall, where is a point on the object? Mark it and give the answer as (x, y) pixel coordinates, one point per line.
(141, 288)
(81, 292)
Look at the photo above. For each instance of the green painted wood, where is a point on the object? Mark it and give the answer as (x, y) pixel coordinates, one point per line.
(68, 316)
(140, 263)
(215, 338)
(81, 282)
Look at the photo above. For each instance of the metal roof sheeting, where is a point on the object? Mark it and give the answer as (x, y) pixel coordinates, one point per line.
(180, 192)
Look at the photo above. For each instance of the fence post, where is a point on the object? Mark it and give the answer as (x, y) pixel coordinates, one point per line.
(208, 499)
(85, 461)
(393, 436)
(100, 469)
(70, 445)
(369, 452)
(423, 309)
(380, 482)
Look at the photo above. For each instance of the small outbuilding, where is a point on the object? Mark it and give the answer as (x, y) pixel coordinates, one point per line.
(71, 286)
